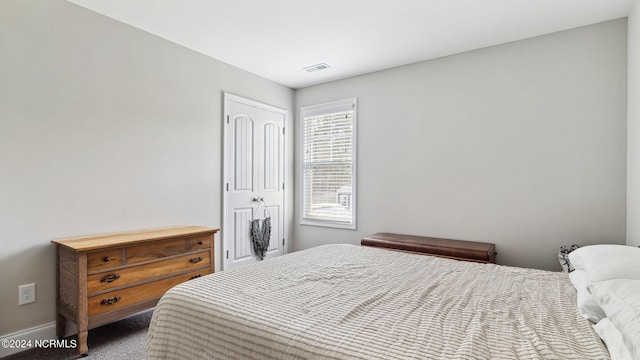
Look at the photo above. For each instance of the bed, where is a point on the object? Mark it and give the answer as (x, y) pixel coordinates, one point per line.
(352, 302)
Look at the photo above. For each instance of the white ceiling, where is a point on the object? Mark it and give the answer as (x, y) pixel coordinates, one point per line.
(276, 39)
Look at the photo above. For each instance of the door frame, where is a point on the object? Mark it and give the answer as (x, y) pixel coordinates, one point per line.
(225, 179)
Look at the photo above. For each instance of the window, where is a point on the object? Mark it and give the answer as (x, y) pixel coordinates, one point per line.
(329, 164)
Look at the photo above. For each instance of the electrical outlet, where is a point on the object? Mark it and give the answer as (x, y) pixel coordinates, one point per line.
(26, 294)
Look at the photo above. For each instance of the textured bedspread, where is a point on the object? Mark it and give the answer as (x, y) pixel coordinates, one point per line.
(351, 302)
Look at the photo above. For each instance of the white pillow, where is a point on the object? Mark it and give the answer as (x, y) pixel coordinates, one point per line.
(612, 337)
(587, 305)
(605, 262)
(579, 279)
(620, 300)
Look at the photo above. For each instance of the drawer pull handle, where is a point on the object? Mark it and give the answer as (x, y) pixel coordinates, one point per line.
(110, 278)
(106, 259)
(200, 242)
(195, 276)
(110, 301)
(195, 260)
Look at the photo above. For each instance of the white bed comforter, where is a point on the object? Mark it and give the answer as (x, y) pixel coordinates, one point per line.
(351, 302)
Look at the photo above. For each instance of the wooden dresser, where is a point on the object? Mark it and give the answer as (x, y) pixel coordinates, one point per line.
(103, 278)
(453, 249)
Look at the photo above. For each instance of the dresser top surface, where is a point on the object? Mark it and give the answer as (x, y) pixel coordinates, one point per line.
(99, 241)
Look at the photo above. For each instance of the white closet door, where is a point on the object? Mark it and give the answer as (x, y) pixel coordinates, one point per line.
(254, 169)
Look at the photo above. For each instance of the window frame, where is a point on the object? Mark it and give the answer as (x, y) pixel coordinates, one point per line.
(319, 109)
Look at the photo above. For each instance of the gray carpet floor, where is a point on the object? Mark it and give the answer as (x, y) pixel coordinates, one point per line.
(124, 339)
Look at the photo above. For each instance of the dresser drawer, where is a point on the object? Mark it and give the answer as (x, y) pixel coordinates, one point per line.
(121, 277)
(130, 296)
(104, 259)
(151, 251)
(200, 242)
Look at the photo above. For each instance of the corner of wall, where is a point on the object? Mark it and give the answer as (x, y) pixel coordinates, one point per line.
(633, 126)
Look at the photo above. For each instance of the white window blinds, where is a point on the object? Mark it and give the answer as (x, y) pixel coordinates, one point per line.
(328, 164)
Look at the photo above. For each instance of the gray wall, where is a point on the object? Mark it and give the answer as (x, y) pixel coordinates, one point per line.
(103, 128)
(521, 144)
(633, 129)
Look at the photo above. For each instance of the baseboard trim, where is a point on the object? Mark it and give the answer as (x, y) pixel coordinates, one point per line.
(41, 332)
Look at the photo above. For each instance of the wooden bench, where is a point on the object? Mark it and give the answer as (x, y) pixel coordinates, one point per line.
(453, 249)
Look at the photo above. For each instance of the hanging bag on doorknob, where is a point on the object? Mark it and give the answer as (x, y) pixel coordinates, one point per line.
(260, 235)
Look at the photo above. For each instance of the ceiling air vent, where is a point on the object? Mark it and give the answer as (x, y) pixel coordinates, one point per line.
(316, 67)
